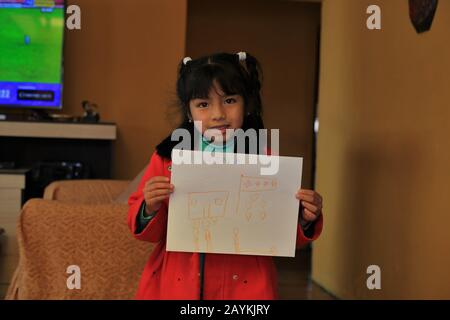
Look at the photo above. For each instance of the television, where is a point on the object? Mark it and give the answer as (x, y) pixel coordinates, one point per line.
(31, 53)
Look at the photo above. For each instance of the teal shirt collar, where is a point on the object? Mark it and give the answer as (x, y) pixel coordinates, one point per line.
(208, 146)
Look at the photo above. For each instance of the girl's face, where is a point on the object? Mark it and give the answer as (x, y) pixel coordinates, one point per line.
(219, 112)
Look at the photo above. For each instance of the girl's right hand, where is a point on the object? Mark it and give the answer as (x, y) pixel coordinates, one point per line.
(155, 191)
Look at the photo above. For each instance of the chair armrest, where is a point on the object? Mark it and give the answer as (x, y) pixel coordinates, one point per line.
(54, 235)
(85, 191)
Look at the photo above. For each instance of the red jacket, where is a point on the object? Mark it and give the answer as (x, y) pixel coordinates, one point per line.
(175, 275)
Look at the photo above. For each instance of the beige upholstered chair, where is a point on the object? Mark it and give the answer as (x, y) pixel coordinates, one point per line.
(81, 223)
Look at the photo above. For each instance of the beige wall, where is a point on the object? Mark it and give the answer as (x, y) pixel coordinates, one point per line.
(125, 59)
(383, 152)
(282, 35)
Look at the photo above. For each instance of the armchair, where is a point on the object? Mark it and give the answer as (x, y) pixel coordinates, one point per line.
(77, 223)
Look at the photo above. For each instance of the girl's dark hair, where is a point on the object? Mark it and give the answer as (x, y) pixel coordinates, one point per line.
(197, 77)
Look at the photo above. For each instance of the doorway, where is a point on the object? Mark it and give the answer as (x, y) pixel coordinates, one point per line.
(283, 36)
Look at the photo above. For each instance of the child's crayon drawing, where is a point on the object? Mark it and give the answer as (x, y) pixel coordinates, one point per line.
(234, 209)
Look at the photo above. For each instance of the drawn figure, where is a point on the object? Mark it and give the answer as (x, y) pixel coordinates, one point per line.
(205, 208)
(208, 240)
(237, 245)
(196, 234)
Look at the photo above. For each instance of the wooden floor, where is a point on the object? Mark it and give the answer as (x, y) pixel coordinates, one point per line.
(294, 278)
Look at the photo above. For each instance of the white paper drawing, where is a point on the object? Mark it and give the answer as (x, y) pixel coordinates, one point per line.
(232, 208)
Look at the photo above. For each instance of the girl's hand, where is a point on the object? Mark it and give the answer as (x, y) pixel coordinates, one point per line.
(155, 191)
(311, 202)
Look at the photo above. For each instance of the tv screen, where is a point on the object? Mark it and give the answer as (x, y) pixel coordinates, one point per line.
(31, 53)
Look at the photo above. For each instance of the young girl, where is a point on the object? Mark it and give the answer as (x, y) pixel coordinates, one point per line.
(220, 91)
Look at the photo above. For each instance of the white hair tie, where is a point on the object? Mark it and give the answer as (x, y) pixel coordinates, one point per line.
(186, 60)
(242, 56)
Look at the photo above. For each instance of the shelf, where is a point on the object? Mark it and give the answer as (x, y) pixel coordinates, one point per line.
(61, 130)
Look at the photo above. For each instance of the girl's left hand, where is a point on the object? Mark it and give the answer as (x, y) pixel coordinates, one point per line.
(311, 202)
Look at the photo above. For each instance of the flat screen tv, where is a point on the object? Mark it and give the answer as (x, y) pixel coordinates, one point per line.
(31, 53)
